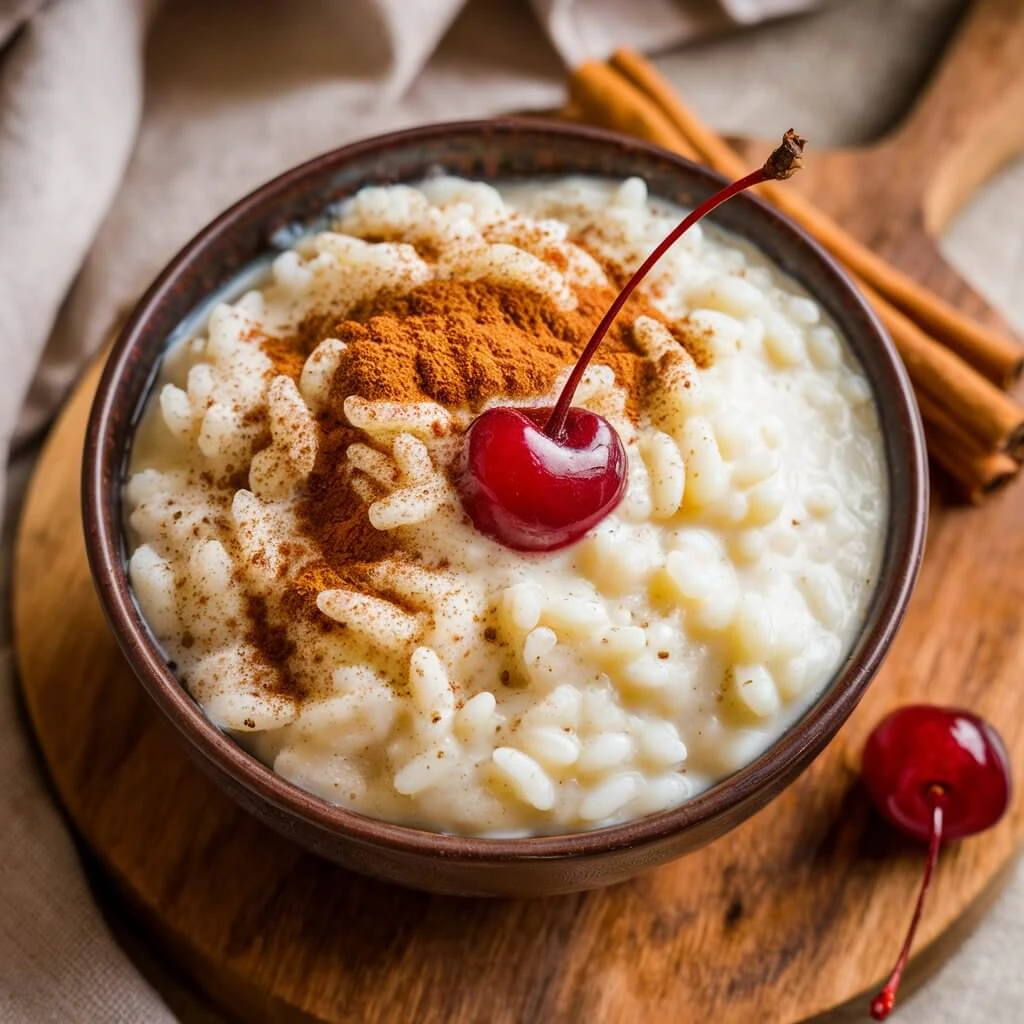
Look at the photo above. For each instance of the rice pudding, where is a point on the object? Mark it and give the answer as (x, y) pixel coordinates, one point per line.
(301, 554)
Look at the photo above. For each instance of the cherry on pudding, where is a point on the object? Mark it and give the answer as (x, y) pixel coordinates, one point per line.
(538, 479)
(934, 773)
(535, 492)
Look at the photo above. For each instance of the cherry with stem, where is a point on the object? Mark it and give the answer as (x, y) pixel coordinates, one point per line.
(937, 774)
(883, 1003)
(538, 479)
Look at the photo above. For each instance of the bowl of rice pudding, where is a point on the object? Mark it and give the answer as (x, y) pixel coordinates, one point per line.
(274, 525)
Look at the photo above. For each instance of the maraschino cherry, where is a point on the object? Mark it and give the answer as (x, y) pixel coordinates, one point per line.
(936, 774)
(538, 479)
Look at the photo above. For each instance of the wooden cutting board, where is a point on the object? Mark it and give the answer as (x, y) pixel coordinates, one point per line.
(792, 916)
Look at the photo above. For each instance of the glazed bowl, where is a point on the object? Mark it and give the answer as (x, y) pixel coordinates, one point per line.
(502, 150)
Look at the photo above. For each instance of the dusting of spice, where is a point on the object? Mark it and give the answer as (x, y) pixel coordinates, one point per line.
(463, 343)
(286, 357)
(275, 647)
(458, 343)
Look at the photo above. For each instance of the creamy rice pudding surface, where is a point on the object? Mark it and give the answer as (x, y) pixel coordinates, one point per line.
(301, 554)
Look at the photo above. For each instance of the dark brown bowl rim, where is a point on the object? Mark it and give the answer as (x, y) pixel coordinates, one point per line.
(796, 747)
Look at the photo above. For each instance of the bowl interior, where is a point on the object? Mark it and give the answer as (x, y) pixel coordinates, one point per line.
(269, 219)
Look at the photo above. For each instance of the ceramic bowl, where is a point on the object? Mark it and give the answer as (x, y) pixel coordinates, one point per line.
(498, 150)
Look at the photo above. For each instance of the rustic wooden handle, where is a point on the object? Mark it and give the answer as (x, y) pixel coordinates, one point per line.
(969, 119)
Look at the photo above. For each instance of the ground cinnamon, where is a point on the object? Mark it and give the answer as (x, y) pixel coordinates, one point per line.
(462, 343)
(273, 644)
(459, 343)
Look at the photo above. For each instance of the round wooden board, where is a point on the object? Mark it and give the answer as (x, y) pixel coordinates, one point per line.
(794, 914)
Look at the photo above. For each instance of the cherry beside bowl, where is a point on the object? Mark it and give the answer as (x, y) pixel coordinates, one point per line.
(500, 150)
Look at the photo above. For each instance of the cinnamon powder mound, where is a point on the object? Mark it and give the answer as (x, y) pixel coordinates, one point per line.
(461, 343)
(287, 357)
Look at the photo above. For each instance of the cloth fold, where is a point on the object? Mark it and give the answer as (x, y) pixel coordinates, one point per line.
(71, 95)
(14, 14)
(70, 101)
(583, 29)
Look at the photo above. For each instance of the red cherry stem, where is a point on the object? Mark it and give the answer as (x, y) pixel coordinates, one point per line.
(882, 1004)
(783, 162)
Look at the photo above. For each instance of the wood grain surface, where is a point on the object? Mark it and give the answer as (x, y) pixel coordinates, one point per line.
(791, 916)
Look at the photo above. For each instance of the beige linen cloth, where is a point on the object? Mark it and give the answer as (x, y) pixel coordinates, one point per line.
(126, 125)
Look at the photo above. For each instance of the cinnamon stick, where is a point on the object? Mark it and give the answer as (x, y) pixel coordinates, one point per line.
(974, 431)
(976, 473)
(991, 416)
(988, 415)
(995, 356)
(602, 97)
